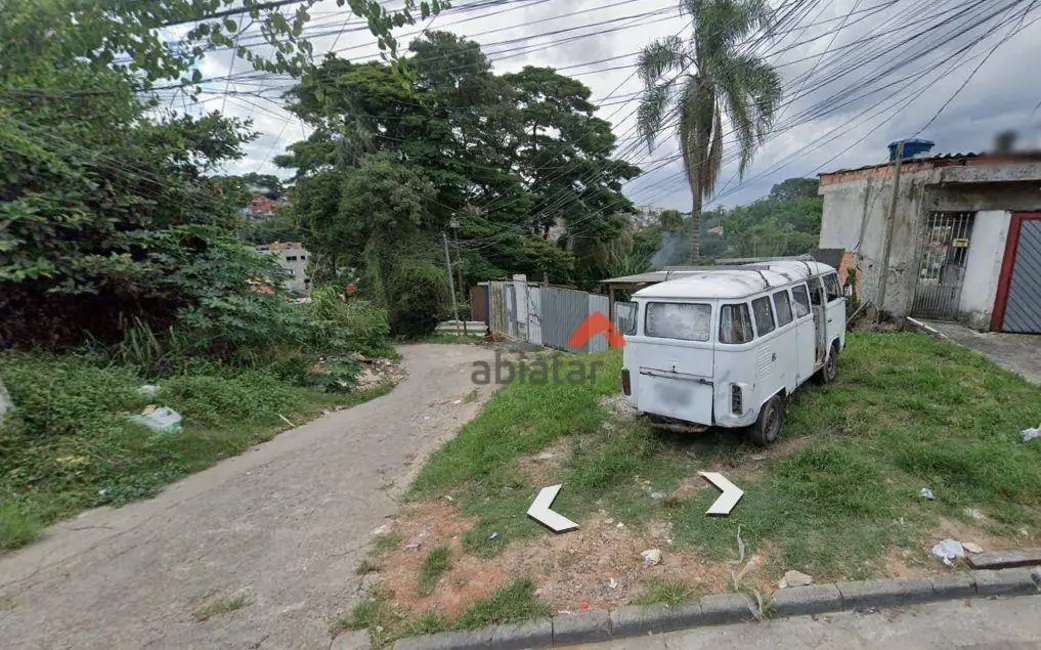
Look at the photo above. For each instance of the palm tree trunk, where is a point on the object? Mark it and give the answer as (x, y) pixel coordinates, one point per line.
(695, 224)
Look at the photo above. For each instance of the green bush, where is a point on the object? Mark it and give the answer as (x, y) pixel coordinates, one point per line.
(207, 400)
(65, 395)
(357, 324)
(418, 296)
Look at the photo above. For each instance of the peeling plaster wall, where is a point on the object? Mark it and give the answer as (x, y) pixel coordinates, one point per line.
(856, 205)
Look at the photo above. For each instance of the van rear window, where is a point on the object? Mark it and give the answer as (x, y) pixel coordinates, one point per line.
(676, 320)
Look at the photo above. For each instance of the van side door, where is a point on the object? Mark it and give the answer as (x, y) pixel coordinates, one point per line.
(835, 309)
(786, 344)
(817, 304)
(805, 332)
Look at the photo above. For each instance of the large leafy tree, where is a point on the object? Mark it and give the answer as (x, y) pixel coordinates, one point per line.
(701, 79)
(110, 213)
(506, 156)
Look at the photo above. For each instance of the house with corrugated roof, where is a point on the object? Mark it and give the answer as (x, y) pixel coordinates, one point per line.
(964, 233)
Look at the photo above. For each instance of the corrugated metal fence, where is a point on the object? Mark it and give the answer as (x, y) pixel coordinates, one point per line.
(547, 315)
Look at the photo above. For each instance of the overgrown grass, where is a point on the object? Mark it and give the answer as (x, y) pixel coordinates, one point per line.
(69, 445)
(907, 411)
(436, 563)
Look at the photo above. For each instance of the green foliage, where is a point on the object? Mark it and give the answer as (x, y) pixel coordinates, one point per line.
(362, 326)
(280, 228)
(509, 157)
(418, 296)
(69, 443)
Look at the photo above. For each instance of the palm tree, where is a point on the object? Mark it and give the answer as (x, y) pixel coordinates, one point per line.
(709, 74)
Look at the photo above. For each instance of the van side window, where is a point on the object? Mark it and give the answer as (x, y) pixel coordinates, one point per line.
(816, 292)
(676, 320)
(764, 315)
(783, 308)
(831, 285)
(735, 325)
(802, 300)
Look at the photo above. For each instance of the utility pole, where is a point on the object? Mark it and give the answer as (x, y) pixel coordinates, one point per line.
(451, 282)
(454, 225)
(888, 245)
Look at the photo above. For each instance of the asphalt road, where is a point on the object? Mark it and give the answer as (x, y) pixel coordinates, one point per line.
(283, 526)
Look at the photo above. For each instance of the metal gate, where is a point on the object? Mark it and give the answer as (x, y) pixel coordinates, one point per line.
(1022, 307)
(941, 268)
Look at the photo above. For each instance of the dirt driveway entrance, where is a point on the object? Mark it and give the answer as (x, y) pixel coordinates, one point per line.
(1018, 353)
(256, 552)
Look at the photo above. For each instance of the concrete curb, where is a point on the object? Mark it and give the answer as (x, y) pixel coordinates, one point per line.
(720, 609)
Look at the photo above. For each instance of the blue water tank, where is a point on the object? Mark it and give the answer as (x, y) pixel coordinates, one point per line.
(912, 147)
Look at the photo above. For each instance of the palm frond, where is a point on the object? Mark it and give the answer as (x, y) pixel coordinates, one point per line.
(659, 57)
(721, 26)
(651, 112)
(751, 91)
(697, 108)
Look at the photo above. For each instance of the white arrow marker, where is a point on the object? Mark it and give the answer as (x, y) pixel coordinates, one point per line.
(726, 501)
(540, 512)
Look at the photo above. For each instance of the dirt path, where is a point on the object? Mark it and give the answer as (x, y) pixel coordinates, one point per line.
(282, 525)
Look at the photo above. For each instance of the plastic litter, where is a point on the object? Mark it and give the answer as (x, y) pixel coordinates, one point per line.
(926, 493)
(162, 420)
(949, 550)
(493, 535)
(972, 548)
(1030, 434)
(583, 606)
(148, 390)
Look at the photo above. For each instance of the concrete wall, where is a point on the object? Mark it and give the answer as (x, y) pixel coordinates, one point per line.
(856, 205)
(300, 281)
(855, 219)
(983, 267)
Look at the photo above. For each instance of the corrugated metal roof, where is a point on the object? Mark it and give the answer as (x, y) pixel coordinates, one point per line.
(917, 159)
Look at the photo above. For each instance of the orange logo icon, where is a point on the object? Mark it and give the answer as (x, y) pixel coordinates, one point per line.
(597, 323)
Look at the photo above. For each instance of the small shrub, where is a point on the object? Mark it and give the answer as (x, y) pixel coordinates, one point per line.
(417, 296)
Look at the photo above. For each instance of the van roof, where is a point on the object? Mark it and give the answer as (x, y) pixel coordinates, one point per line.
(735, 281)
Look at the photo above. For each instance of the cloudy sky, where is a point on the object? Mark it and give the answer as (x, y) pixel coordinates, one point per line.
(857, 75)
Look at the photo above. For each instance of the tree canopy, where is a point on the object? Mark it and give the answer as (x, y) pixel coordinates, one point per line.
(517, 162)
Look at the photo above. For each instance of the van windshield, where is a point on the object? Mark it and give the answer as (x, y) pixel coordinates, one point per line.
(681, 321)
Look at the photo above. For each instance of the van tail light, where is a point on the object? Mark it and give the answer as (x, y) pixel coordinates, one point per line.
(735, 400)
(627, 387)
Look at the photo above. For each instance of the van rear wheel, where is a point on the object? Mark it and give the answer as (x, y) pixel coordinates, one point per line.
(767, 427)
(831, 366)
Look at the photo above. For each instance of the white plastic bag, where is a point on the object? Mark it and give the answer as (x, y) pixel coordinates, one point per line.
(162, 420)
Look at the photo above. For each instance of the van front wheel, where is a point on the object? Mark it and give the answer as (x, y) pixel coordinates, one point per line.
(767, 428)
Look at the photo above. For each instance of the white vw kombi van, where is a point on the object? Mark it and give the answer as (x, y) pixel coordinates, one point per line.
(726, 346)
